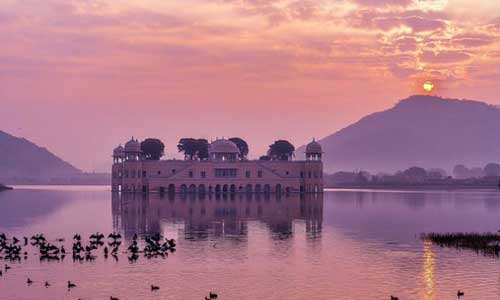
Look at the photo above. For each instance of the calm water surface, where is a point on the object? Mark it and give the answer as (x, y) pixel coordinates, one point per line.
(341, 245)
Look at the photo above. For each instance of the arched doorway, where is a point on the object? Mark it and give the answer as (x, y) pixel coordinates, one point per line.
(201, 189)
(171, 188)
(278, 189)
(267, 189)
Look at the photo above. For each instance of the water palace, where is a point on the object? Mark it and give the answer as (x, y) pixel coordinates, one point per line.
(225, 171)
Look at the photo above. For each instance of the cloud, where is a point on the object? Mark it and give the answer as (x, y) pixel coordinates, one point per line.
(379, 3)
(473, 40)
(444, 57)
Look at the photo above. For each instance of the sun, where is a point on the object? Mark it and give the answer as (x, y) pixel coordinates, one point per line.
(428, 86)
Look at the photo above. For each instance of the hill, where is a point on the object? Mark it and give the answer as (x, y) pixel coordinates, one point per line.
(421, 130)
(21, 161)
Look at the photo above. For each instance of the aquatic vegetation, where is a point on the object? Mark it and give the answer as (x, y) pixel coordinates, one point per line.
(485, 243)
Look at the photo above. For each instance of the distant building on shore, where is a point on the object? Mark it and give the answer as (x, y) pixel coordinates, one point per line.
(224, 171)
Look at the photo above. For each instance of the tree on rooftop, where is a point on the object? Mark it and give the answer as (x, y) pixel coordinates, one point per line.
(189, 147)
(281, 150)
(202, 149)
(153, 149)
(242, 145)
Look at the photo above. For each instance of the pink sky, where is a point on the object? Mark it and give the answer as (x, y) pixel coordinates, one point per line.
(81, 76)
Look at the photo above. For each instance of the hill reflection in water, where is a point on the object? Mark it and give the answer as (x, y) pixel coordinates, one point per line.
(216, 216)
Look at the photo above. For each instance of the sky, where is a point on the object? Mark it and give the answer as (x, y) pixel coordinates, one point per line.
(81, 76)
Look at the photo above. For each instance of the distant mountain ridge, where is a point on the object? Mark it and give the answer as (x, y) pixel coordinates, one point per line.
(421, 130)
(22, 160)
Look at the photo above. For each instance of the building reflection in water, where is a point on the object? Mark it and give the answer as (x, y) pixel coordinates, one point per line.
(217, 216)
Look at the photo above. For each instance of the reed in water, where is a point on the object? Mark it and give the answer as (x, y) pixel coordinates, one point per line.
(485, 243)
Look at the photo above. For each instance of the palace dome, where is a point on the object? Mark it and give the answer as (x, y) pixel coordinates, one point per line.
(314, 148)
(133, 146)
(223, 146)
(119, 151)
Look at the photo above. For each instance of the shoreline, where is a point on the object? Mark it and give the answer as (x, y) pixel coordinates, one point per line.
(5, 188)
(417, 187)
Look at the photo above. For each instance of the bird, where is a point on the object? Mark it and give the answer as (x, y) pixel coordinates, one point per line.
(47, 284)
(394, 298)
(154, 288)
(29, 281)
(460, 294)
(113, 298)
(1, 273)
(214, 296)
(7, 267)
(71, 285)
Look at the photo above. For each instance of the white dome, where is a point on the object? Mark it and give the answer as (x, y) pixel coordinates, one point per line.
(223, 146)
(133, 146)
(314, 148)
(119, 151)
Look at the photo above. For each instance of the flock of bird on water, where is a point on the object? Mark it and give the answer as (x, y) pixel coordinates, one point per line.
(155, 246)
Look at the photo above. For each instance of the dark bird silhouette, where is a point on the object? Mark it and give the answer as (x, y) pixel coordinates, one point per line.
(394, 298)
(47, 284)
(154, 288)
(460, 294)
(7, 267)
(113, 298)
(29, 281)
(1, 273)
(214, 295)
(71, 285)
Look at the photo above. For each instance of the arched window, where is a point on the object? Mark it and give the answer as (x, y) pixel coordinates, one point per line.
(249, 188)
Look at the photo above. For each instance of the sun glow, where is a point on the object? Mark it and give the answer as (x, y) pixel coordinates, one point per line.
(428, 86)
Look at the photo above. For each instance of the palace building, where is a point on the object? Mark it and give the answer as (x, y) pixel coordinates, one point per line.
(224, 171)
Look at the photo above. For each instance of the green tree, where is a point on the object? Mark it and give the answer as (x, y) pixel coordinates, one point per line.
(282, 150)
(189, 147)
(202, 149)
(193, 147)
(242, 145)
(461, 172)
(415, 174)
(492, 169)
(153, 149)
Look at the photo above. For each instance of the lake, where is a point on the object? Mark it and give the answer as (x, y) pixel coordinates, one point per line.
(343, 244)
